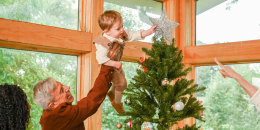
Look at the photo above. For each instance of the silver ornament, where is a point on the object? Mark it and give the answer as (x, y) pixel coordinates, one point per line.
(165, 81)
(147, 126)
(179, 106)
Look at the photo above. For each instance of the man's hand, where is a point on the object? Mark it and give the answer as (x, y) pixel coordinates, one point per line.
(118, 64)
(148, 32)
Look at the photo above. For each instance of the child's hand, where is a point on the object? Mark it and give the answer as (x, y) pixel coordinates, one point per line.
(118, 64)
(148, 32)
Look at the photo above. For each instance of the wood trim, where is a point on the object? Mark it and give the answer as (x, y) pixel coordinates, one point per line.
(173, 10)
(93, 8)
(229, 53)
(193, 22)
(30, 36)
(133, 50)
(13, 45)
(82, 15)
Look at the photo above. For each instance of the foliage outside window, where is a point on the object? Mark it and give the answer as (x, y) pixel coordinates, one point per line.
(223, 21)
(135, 13)
(57, 13)
(227, 106)
(26, 68)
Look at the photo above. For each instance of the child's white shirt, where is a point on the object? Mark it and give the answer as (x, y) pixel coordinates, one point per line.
(101, 51)
(255, 99)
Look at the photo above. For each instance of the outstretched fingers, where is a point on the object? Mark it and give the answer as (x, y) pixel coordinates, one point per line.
(219, 64)
(223, 68)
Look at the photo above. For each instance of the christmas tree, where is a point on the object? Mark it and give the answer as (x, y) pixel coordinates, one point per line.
(160, 94)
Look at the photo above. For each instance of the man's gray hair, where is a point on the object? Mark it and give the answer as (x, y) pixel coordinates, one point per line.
(41, 92)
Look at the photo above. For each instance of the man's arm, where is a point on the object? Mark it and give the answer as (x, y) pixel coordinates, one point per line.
(90, 104)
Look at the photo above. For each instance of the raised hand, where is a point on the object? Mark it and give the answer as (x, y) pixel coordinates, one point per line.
(118, 64)
(148, 32)
(226, 71)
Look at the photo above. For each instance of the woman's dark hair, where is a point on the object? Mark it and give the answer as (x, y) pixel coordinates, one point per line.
(14, 108)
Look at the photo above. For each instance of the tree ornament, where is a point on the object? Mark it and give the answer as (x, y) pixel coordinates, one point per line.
(179, 105)
(142, 61)
(166, 123)
(165, 81)
(147, 126)
(127, 101)
(118, 125)
(164, 26)
(128, 124)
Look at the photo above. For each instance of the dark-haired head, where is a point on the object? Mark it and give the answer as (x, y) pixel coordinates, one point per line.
(14, 108)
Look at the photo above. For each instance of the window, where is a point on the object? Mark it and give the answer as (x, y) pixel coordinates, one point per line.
(26, 68)
(109, 115)
(135, 13)
(58, 13)
(227, 106)
(224, 21)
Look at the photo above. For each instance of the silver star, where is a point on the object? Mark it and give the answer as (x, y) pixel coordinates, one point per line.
(164, 26)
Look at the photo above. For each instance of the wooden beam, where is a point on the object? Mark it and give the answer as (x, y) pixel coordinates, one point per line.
(133, 50)
(173, 12)
(22, 35)
(13, 45)
(93, 9)
(229, 53)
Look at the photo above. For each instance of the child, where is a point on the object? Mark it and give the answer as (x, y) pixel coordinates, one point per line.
(110, 45)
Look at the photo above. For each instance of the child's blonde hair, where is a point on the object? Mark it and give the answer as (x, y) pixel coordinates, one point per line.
(108, 18)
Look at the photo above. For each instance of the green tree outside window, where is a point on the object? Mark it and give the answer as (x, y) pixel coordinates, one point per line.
(26, 68)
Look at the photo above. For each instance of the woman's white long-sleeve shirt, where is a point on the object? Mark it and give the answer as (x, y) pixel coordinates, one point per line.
(255, 99)
(101, 51)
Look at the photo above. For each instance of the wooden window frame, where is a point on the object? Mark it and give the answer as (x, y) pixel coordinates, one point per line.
(30, 36)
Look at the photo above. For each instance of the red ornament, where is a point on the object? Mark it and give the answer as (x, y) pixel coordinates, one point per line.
(142, 61)
(129, 124)
(119, 125)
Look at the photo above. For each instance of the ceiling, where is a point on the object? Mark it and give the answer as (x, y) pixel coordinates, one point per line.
(204, 5)
(150, 6)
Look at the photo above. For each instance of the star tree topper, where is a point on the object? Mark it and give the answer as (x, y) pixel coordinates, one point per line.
(164, 26)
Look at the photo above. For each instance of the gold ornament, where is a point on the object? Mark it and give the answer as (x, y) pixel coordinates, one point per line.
(118, 125)
(127, 101)
(166, 123)
(165, 81)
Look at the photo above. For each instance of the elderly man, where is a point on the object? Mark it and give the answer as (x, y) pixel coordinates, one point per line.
(56, 99)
